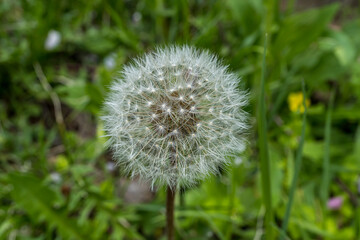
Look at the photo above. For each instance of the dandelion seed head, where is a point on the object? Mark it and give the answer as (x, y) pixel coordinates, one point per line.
(174, 115)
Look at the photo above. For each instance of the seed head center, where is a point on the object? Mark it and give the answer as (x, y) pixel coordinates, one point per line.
(177, 118)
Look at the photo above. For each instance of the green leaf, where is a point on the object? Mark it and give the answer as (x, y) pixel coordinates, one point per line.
(37, 200)
(298, 31)
(265, 167)
(313, 150)
(326, 178)
(74, 94)
(247, 14)
(341, 45)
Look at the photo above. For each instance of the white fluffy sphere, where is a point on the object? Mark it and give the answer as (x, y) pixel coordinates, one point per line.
(174, 116)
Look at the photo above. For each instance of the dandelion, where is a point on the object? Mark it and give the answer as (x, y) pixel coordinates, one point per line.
(198, 107)
(180, 131)
(295, 102)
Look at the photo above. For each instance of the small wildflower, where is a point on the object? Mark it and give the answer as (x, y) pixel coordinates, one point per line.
(335, 203)
(55, 177)
(53, 40)
(295, 102)
(109, 61)
(136, 17)
(194, 118)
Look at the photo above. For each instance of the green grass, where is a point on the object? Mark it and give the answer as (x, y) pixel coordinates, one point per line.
(264, 193)
(326, 176)
(264, 152)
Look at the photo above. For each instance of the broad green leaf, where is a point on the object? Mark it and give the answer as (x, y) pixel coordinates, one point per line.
(341, 45)
(298, 31)
(38, 200)
(247, 14)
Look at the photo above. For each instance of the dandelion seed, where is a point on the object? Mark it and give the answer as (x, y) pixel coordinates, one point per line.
(166, 135)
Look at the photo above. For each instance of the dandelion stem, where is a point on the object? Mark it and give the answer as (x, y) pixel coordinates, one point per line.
(170, 202)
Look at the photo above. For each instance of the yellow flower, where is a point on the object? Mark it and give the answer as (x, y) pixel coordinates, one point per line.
(295, 102)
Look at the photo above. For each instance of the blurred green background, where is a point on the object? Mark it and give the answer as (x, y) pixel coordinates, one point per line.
(57, 59)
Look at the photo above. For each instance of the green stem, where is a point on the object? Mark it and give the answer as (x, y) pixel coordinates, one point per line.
(324, 194)
(298, 162)
(264, 154)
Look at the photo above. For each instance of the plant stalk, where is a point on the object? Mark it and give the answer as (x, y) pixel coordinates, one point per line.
(298, 163)
(170, 202)
(264, 153)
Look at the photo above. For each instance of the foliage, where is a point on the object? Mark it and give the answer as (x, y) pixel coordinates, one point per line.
(56, 178)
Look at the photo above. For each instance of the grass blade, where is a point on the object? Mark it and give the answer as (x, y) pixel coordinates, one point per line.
(298, 162)
(324, 194)
(264, 152)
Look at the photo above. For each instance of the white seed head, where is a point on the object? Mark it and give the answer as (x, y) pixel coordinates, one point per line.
(192, 114)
